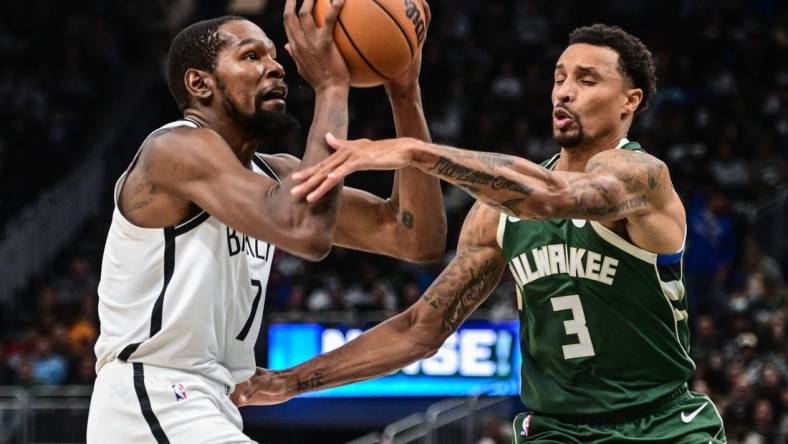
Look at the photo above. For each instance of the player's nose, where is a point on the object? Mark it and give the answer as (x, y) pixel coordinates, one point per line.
(565, 92)
(274, 70)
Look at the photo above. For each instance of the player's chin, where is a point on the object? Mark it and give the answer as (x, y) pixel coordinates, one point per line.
(273, 106)
(567, 137)
(564, 133)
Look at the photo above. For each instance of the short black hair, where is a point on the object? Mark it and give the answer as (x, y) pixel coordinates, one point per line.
(195, 47)
(634, 58)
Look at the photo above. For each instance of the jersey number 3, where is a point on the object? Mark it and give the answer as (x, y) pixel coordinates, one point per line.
(245, 330)
(574, 326)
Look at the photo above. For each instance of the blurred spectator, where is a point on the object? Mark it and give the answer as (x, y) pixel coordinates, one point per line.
(711, 249)
(49, 368)
(764, 431)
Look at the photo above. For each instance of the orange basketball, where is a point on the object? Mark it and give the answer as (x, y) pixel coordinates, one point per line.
(377, 38)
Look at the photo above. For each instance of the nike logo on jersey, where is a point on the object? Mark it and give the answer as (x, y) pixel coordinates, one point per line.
(688, 418)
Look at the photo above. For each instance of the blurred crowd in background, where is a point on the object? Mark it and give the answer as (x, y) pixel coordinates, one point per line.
(720, 121)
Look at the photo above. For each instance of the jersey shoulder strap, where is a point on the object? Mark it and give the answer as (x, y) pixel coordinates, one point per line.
(263, 165)
(550, 163)
(633, 146)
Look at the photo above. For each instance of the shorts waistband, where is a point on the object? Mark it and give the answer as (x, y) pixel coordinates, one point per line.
(106, 359)
(221, 387)
(623, 415)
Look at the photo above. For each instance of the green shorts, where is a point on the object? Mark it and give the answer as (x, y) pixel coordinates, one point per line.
(691, 418)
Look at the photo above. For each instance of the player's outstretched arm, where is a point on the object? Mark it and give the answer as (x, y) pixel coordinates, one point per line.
(414, 334)
(616, 184)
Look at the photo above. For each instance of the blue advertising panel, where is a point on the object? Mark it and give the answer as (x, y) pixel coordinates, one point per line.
(482, 357)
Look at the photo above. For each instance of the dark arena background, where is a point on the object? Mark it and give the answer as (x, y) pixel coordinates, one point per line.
(82, 84)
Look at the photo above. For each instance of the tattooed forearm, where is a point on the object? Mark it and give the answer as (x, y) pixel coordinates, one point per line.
(466, 295)
(311, 383)
(494, 160)
(469, 294)
(510, 206)
(454, 171)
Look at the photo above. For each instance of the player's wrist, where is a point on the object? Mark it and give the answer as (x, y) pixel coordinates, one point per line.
(415, 151)
(421, 154)
(334, 89)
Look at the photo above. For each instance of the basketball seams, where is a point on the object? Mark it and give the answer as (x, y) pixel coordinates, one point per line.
(358, 51)
(396, 22)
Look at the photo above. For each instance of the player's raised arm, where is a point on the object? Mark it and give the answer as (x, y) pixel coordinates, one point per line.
(414, 334)
(411, 225)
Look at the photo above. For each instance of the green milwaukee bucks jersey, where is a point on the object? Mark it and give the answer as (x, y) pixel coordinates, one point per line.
(603, 322)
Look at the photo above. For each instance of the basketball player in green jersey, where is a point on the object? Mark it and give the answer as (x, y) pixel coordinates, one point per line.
(594, 238)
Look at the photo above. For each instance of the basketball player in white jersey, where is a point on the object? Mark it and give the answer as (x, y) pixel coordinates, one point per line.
(199, 213)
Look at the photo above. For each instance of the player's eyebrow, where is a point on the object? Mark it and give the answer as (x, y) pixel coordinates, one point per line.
(253, 40)
(588, 70)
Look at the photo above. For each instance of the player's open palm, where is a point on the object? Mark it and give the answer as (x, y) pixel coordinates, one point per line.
(316, 55)
(350, 156)
(263, 388)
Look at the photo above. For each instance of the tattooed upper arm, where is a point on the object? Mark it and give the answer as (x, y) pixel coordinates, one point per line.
(616, 184)
(470, 277)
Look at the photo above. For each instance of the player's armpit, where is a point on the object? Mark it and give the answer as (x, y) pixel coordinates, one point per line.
(198, 166)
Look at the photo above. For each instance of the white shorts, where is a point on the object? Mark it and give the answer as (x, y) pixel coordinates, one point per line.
(135, 403)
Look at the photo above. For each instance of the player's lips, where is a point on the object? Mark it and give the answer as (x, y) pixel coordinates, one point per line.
(562, 118)
(274, 98)
(277, 93)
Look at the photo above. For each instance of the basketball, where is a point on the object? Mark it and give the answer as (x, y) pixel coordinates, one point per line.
(377, 38)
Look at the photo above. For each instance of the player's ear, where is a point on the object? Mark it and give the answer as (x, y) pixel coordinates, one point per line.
(199, 83)
(634, 96)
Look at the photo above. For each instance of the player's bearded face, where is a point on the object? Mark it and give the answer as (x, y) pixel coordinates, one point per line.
(258, 121)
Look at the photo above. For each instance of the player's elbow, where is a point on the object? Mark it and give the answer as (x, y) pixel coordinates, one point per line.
(553, 201)
(312, 244)
(543, 206)
(317, 246)
(427, 252)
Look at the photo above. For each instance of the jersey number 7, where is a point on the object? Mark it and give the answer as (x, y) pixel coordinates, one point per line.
(245, 330)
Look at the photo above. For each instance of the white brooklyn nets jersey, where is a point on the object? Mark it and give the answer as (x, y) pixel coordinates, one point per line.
(186, 297)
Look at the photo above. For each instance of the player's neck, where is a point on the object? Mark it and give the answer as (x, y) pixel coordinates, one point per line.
(576, 158)
(242, 144)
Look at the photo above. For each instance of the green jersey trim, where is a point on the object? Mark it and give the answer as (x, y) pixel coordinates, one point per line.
(620, 243)
(501, 229)
(676, 294)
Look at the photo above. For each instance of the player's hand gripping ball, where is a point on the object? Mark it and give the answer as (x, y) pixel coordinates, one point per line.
(377, 38)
